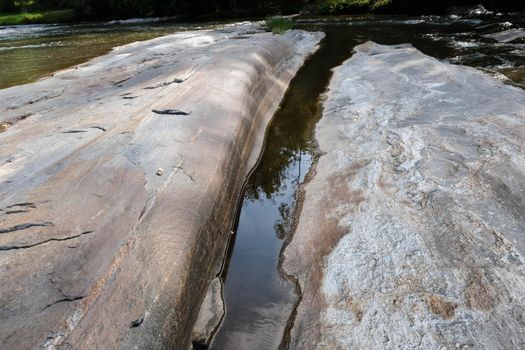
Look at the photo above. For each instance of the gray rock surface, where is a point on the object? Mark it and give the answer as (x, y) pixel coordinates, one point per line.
(113, 218)
(210, 315)
(412, 229)
(506, 36)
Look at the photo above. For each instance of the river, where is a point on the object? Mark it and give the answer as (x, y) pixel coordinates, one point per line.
(259, 299)
(30, 52)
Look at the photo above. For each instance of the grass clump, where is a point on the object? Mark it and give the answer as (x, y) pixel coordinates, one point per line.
(37, 17)
(279, 25)
(380, 4)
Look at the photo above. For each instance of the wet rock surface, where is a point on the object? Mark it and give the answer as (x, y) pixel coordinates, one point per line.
(507, 36)
(411, 232)
(114, 218)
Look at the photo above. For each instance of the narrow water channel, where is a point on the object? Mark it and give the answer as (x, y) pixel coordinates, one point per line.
(259, 301)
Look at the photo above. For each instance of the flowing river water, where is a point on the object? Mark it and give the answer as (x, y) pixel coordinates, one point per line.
(259, 299)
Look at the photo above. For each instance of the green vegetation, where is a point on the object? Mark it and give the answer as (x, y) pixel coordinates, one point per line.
(380, 5)
(42, 11)
(38, 17)
(340, 6)
(279, 25)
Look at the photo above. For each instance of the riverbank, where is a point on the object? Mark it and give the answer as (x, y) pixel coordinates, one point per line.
(119, 181)
(192, 11)
(59, 16)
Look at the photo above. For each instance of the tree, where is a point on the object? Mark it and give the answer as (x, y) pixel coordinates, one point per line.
(7, 5)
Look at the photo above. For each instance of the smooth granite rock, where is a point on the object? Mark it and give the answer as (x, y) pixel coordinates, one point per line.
(210, 315)
(412, 229)
(114, 218)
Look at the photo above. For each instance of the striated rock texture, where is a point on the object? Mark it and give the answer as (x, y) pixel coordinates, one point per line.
(210, 315)
(411, 233)
(114, 218)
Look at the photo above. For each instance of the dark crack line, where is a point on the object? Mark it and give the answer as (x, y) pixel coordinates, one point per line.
(170, 112)
(97, 127)
(136, 323)
(15, 247)
(16, 211)
(43, 98)
(185, 173)
(28, 204)
(73, 131)
(64, 300)
(117, 83)
(166, 83)
(24, 227)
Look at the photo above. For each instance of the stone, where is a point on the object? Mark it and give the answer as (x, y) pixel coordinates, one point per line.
(411, 230)
(472, 11)
(96, 250)
(506, 36)
(4, 126)
(210, 315)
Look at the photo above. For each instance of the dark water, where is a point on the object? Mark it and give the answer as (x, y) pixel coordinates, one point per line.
(259, 301)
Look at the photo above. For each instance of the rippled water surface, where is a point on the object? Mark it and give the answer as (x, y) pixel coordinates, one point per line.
(30, 52)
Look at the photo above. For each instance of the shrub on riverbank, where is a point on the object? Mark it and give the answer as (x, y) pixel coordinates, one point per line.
(345, 6)
(279, 25)
(33, 11)
(37, 17)
(406, 6)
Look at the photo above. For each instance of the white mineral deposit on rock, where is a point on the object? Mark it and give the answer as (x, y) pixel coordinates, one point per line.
(411, 231)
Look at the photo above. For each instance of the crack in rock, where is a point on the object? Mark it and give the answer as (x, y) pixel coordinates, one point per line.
(73, 131)
(185, 173)
(24, 227)
(166, 83)
(27, 246)
(26, 204)
(117, 83)
(64, 300)
(170, 112)
(136, 323)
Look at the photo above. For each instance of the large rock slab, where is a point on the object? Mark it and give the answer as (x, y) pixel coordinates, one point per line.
(114, 218)
(411, 233)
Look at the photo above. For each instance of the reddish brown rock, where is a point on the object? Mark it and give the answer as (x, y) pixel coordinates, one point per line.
(98, 248)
